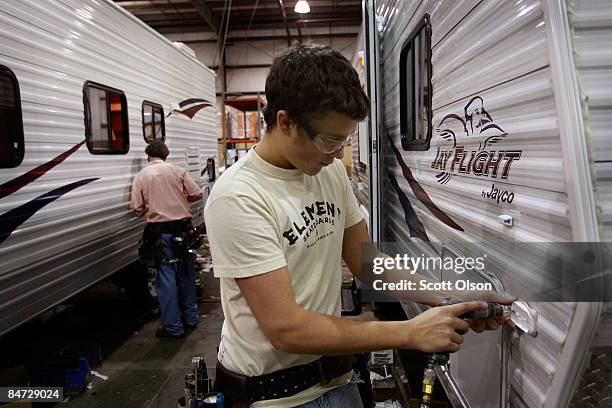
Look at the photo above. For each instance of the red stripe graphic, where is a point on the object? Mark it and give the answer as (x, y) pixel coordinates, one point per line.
(15, 184)
(190, 112)
(12, 219)
(421, 194)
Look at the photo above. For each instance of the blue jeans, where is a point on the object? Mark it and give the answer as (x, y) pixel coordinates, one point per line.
(176, 280)
(345, 396)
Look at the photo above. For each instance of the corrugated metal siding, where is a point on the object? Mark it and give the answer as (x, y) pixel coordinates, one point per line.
(53, 48)
(385, 10)
(496, 50)
(592, 23)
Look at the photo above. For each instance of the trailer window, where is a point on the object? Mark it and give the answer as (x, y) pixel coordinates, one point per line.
(11, 125)
(415, 88)
(153, 126)
(106, 119)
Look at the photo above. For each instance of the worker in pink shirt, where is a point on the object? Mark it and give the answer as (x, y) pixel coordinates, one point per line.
(163, 192)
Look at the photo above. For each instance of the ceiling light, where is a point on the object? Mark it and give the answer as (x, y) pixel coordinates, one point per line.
(302, 7)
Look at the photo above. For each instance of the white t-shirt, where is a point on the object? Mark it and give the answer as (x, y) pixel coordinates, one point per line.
(260, 218)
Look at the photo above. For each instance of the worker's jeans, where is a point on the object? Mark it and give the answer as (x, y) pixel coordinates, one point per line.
(176, 283)
(345, 396)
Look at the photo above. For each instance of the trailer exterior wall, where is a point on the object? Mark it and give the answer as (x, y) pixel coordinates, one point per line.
(89, 233)
(498, 51)
(592, 24)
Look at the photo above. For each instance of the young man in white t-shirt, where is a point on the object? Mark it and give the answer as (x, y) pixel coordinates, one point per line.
(280, 221)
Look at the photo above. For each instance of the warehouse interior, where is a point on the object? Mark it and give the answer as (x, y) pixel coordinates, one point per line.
(114, 320)
(475, 133)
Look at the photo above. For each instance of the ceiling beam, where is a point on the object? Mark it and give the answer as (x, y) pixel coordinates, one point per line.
(156, 11)
(177, 23)
(231, 40)
(238, 23)
(280, 3)
(143, 4)
(172, 20)
(207, 14)
(327, 20)
(218, 5)
(196, 28)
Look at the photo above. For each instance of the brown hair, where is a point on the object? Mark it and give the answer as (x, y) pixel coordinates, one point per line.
(310, 80)
(157, 148)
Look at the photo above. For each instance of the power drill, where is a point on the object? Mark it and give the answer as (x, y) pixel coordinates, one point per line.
(434, 359)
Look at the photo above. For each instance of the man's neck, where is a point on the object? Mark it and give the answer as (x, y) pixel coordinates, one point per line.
(270, 150)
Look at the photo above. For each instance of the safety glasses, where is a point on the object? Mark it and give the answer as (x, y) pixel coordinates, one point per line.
(325, 143)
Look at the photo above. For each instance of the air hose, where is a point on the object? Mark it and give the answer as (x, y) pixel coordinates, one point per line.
(439, 359)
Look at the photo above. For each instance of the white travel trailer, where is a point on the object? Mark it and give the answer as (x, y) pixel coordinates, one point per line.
(491, 125)
(84, 86)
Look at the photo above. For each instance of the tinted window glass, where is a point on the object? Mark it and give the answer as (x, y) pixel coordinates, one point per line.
(153, 126)
(11, 125)
(106, 120)
(99, 119)
(415, 86)
(158, 120)
(147, 122)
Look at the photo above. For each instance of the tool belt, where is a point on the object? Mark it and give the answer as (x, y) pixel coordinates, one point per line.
(150, 251)
(173, 227)
(240, 391)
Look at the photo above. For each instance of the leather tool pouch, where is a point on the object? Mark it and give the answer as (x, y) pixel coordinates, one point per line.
(149, 250)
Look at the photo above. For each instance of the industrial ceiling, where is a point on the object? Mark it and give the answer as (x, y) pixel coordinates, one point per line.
(201, 16)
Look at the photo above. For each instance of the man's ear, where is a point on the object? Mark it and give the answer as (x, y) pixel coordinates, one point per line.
(283, 121)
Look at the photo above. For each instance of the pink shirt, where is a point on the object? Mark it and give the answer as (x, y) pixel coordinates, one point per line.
(163, 189)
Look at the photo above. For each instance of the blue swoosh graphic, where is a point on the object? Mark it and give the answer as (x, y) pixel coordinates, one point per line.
(12, 219)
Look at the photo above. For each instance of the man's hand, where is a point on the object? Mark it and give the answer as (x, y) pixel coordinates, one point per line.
(139, 212)
(439, 329)
(489, 296)
(490, 324)
(195, 197)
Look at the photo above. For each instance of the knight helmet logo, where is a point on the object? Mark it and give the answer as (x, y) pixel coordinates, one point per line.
(456, 159)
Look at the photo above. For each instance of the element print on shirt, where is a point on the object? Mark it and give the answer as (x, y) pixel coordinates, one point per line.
(313, 215)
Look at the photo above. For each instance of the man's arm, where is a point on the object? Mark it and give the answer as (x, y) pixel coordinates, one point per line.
(191, 189)
(194, 197)
(293, 329)
(137, 202)
(356, 239)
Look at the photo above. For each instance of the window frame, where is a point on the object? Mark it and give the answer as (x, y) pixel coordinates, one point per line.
(412, 144)
(87, 115)
(163, 121)
(14, 155)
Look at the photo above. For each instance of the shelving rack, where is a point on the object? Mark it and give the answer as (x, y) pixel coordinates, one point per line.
(230, 140)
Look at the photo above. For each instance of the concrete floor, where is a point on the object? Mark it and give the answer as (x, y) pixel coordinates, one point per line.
(147, 372)
(143, 371)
